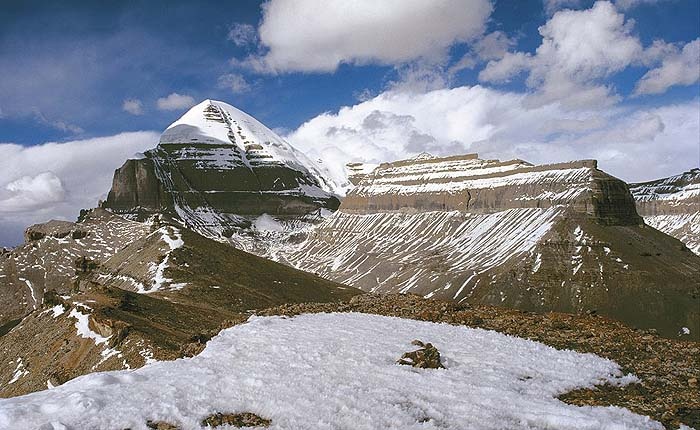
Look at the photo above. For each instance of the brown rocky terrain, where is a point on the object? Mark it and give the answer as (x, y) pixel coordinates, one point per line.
(47, 259)
(161, 297)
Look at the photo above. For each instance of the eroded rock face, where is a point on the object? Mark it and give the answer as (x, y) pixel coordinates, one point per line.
(218, 168)
(54, 228)
(672, 205)
(562, 237)
(466, 183)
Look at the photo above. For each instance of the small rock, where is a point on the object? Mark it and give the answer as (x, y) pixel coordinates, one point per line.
(428, 357)
(244, 419)
(161, 425)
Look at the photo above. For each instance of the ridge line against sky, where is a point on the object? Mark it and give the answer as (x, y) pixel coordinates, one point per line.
(545, 81)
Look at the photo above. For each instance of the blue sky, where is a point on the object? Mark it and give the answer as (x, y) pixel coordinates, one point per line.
(544, 80)
(98, 54)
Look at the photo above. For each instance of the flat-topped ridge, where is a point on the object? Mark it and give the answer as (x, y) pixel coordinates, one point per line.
(469, 184)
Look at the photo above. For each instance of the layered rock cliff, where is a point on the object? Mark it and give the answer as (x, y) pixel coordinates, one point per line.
(672, 205)
(468, 184)
(217, 169)
(562, 237)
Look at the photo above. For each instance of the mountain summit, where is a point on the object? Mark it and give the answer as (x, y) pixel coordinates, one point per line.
(217, 170)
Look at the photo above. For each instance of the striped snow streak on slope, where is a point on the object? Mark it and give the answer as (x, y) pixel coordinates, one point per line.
(400, 186)
(684, 227)
(675, 188)
(428, 171)
(672, 205)
(421, 252)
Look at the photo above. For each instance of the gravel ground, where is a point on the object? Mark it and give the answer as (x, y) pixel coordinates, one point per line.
(668, 369)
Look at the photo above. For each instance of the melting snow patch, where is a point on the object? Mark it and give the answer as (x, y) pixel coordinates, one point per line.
(31, 290)
(338, 371)
(147, 355)
(159, 279)
(20, 371)
(538, 263)
(57, 310)
(82, 324)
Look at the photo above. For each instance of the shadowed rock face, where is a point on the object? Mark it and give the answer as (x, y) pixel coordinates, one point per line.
(672, 205)
(217, 168)
(563, 237)
(172, 178)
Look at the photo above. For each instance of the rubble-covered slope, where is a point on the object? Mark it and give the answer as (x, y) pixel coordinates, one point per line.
(562, 237)
(672, 205)
(216, 169)
(161, 297)
(50, 257)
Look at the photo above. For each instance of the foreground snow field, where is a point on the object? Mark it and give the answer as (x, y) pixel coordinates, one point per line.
(338, 371)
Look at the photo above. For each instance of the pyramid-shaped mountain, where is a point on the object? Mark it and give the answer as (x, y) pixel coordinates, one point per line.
(217, 169)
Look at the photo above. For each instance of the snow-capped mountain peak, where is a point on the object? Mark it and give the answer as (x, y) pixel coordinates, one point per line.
(218, 123)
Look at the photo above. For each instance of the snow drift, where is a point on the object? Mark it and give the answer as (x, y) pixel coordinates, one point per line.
(333, 371)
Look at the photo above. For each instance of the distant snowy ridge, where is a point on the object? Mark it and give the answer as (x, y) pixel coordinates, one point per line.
(338, 371)
(672, 205)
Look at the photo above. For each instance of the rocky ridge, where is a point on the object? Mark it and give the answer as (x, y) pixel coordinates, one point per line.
(672, 205)
(48, 260)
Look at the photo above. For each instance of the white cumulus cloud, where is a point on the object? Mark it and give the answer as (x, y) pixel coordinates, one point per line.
(678, 67)
(175, 101)
(31, 192)
(315, 35)
(579, 49)
(56, 180)
(133, 106)
(398, 124)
